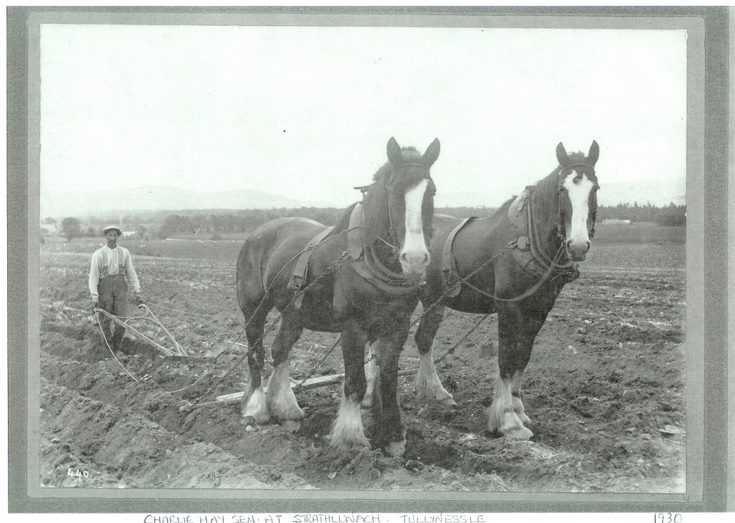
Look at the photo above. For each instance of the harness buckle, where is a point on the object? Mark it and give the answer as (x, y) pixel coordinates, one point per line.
(523, 243)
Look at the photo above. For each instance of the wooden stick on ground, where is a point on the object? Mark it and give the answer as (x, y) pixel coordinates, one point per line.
(312, 383)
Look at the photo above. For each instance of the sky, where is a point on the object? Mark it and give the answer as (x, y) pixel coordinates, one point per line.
(306, 112)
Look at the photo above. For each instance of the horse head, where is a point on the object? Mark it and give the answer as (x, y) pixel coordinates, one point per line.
(399, 207)
(577, 199)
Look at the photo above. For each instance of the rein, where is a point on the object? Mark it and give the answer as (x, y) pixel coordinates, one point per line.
(528, 292)
(535, 242)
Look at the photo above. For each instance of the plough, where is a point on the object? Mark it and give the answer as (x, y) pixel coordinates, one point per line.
(178, 350)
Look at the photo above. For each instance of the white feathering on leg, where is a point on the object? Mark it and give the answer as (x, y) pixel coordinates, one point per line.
(347, 431)
(428, 384)
(257, 407)
(281, 399)
(502, 418)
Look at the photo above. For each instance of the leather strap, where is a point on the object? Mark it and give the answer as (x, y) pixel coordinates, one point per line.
(354, 232)
(298, 278)
(451, 279)
(386, 281)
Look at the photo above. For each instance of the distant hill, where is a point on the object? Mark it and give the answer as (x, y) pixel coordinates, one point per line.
(158, 198)
(659, 193)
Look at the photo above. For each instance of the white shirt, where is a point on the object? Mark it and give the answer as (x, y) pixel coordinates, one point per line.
(105, 262)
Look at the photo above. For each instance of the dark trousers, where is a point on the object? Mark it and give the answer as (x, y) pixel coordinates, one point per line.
(113, 293)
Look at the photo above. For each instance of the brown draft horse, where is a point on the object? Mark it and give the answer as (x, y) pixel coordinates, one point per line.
(513, 263)
(360, 278)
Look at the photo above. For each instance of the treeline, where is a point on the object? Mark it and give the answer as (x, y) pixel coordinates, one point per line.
(240, 221)
(249, 220)
(671, 214)
(667, 215)
(164, 224)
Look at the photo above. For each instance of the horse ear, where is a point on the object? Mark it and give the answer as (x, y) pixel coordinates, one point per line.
(594, 153)
(561, 155)
(394, 150)
(432, 153)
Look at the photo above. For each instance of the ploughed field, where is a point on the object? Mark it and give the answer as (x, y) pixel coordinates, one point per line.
(605, 388)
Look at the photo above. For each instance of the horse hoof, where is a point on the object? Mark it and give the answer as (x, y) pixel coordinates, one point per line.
(449, 402)
(355, 445)
(396, 449)
(519, 433)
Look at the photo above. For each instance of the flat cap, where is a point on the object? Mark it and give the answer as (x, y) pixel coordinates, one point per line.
(112, 228)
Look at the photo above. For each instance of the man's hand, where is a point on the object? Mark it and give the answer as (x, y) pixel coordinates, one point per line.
(95, 305)
(138, 299)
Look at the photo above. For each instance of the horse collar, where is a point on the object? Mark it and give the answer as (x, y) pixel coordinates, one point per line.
(367, 264)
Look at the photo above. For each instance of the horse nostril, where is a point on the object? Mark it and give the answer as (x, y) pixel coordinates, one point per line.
(418, 259)
(580, 247)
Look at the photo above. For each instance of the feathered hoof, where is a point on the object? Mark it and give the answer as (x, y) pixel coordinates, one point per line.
(343, 444)
(396, 449)
(256, 408)
(434, 392)
(260, 418)
(286, 413)
(518, 433)
(449, 402)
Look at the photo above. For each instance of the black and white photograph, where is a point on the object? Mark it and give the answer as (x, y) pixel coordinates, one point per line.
(409, 254)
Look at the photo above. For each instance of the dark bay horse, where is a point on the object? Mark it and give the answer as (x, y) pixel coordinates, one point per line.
(513, 263)
(360, 278)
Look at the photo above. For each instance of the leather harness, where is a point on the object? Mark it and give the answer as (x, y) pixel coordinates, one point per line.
(368, 266)
(450, 276)
(364, 262)
(301, 269)
(524, 249)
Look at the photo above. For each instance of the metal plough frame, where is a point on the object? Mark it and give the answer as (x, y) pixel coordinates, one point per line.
(148, 315)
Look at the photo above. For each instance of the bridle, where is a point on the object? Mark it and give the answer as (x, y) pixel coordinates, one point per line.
(393, 244)
(560, 221)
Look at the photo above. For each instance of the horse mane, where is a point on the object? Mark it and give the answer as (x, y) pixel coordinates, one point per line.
(343, 222)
